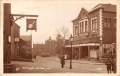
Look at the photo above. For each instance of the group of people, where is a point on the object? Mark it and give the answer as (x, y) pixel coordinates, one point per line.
(111, 65)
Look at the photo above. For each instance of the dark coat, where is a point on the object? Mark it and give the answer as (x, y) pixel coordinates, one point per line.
(62, 59)
(109, 64)
(114, 65)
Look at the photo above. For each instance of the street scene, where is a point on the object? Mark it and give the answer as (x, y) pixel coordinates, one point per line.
(52, 65)
(59, 37)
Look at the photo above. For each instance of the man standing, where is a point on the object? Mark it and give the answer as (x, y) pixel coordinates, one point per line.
(62, 61)
(108, 63)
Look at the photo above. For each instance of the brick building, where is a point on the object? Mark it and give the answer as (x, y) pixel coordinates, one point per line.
(94, 31)
(38, 48)
(15, 34)
(50, 46)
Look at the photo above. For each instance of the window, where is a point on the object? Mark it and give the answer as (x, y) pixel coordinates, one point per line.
(107, 22)
(86, 26)
(114, 23)
(76, 30)
(82, 27)
(94, 24)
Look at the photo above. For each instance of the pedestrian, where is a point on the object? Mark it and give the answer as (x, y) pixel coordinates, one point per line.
(108, 63)
(62, 61)
(114, 65)
(35, 56)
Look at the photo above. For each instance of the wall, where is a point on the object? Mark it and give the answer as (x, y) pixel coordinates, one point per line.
(92, 15)
(109, 35)
(15, 32)
(6, 33)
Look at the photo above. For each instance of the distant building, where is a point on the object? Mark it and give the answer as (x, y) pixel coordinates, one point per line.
(50, 46)
(15, 34)
(93, 31)
(28, 41)
(38, 48)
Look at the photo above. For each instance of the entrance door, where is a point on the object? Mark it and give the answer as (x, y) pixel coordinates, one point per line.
(84, 52)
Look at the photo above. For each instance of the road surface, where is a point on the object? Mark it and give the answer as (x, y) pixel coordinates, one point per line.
(52, 65)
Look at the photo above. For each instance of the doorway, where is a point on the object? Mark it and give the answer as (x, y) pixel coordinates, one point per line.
(84, 52)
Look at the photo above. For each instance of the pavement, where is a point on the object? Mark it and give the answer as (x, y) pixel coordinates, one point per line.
(88, 62)
(83, 61)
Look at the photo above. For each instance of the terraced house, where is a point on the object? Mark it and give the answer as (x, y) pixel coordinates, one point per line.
(94, 32)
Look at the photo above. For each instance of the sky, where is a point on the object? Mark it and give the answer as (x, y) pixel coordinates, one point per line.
(52, 15)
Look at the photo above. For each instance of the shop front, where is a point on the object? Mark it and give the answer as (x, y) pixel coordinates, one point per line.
(89, 51)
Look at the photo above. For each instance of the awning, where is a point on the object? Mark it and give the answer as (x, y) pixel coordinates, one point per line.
(87, 44)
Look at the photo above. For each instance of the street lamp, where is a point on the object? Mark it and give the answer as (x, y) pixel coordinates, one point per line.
(71, 39)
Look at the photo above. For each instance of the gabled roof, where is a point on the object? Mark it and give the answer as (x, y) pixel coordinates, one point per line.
(26, 37)
(15, 24)
(81, 11)
(106, 7)
(81, 14)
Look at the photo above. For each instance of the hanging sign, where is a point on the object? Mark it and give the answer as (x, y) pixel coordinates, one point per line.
(31, 24)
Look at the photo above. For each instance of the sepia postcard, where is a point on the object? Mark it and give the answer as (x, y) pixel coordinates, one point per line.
(59, 37)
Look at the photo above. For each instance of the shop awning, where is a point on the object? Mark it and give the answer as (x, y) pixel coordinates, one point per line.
(88, 44)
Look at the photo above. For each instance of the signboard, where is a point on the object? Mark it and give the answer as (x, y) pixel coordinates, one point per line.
(93, 53)
(31, 24)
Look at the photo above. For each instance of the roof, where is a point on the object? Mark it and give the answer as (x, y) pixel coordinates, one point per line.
(106, 7)
(15, 24)
(26, 37)
(80, 14)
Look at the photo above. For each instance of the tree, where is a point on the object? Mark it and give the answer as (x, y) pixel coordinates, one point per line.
(62, 35)
(63, 32)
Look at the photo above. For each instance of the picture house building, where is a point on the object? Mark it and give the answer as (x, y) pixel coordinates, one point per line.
(94, 32)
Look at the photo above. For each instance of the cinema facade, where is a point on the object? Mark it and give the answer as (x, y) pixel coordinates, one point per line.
(94, 32)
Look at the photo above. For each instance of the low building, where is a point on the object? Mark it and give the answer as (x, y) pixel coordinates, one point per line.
(38, 48)
(15, 34)
(28, 40)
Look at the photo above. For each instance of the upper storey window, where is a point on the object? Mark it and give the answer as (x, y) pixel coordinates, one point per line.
(94, 23)
(83, 26)
(76, 29)
(107, 23)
